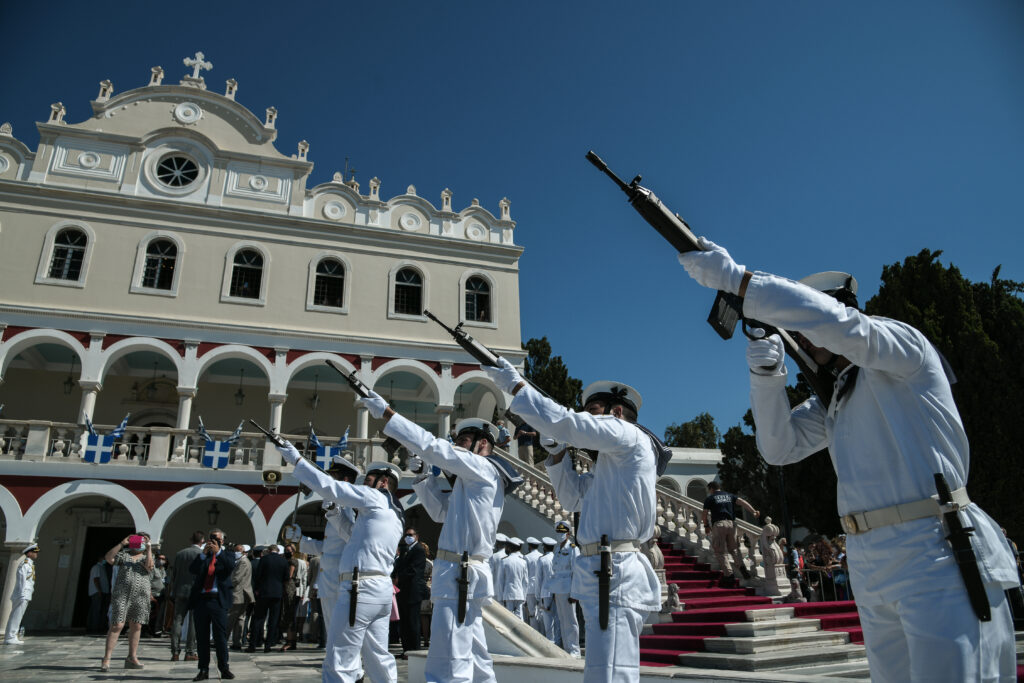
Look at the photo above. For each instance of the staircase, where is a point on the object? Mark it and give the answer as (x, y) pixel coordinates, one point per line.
(726, 626)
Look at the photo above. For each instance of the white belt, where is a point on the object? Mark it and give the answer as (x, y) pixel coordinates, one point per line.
(627, 546)
(859, 522)
(347, 576)
(449, 556)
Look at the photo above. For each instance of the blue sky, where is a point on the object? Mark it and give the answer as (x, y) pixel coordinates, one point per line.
(803, 136)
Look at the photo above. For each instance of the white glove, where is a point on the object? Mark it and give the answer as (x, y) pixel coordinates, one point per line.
(766, 356)
(551, 446)
(289, 453)
(375, 404)
(415, 464)
(331, 511)
(505, 376)
(713, 267)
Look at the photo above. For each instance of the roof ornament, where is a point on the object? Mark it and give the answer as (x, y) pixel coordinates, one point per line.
(106, 90)
(156, 75)
(198, 64)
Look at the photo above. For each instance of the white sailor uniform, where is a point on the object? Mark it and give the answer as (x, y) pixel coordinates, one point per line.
(458, 652)
(24, 587)
(336, 535)
(560, 585)
(617, 499)
(371, 547)
(531, 589)
(887, 438)
(514, 579)
(545, 601)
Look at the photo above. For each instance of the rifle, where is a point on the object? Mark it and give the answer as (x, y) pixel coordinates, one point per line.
(483, 354)
(727, 309)
(357, 385)
(276, 439)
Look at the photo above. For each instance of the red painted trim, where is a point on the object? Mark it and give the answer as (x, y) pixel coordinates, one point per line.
(379, 361)
(462, 368)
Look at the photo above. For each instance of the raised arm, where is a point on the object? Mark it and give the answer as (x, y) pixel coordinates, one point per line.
(569, 484)
(785, 436)
(341, 492)
(440, 452)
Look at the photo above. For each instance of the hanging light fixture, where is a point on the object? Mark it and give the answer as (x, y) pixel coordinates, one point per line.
(213, 514)
(314, 400)
(69, 383)
(240, 395)
(106, 512)
(151, 388)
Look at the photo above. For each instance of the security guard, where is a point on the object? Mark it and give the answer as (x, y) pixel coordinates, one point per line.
(560, 585)
(616, 500)
(361, 618)
(891, 425)
(458, 649)
(24, 586)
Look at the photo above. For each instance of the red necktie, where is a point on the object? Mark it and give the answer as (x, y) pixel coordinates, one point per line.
(208, 585)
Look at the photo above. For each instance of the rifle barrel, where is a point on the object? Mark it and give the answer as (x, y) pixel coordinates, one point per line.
(603, 167)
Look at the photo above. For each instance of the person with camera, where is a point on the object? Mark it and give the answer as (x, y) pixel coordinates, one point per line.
(130, 598)
(210, 601)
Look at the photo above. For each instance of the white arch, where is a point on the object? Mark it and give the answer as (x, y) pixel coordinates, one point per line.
(670, 483)
(414, 367)
(316, 358)
(10, 349)
(283, 514)
(57, 496)
(199, 492)
(479, 377)
(133, 344)
(230, 351)
(12, 515)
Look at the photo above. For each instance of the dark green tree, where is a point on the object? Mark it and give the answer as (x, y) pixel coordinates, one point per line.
(550, 374)
(700, 432)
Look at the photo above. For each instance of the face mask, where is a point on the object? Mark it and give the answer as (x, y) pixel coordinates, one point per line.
(238, 555)
(409, 540)
(287, 554)
(142, 547)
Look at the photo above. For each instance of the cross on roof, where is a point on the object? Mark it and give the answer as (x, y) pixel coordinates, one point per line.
(198, 64)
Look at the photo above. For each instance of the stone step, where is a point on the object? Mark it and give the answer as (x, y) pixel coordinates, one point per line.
(775, 643)
(854, 669)
(777, 627)
(734, 614)
(776, 659)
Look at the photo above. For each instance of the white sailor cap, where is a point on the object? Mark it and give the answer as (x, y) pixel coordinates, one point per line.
(842, 286)
(280, 549)
(547, 540)
(385, 468)
(562, 526)
(29, 548)
(500, 538)
(613, 392)
(488, 431)
(531, 540)
(245, 548)
(515, 540)
(340, 462)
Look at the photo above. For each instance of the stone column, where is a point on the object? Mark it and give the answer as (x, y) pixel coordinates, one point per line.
(363, 450)
(185, 396)
(272, 456)
(89, 392)
(14, 549)
(444, 420)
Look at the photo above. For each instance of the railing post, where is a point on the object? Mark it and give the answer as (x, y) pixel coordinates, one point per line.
(159, 446)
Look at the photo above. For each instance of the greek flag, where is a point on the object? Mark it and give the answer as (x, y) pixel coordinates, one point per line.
(342, 443)
(216, 454)
(323, 453)
(98, 449)
(118, 432)
(88, 426)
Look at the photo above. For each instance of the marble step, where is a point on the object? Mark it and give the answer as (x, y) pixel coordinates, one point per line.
(775, 659)
(854, 669)
(775, 643)
(777, 627)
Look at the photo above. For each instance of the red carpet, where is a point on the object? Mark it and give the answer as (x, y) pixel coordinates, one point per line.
(711, 602)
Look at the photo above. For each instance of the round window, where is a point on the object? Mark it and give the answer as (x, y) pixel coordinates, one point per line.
(176, 171)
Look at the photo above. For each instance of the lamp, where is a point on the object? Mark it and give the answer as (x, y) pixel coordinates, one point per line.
(69, 383)
(314, 400)
(106, 512)
(151, 389)
(240, 395)
(213, 514)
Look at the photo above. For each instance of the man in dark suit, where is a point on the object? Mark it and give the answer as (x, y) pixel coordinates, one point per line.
(181, 591)
(412, 588)
(210, 601)
(268, 585)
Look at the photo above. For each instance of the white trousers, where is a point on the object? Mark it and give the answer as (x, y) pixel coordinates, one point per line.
(368, 636)
(18, 608)
(936, 636)
(570, 627)
(532, 613)
(328, 600)
(613, 655)
(458, 652)
(514, 606)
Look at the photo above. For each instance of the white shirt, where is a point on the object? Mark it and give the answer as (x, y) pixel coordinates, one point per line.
(514, 577)
(24, 582)
(887, 438)
(544, 572)
(616, 498)
(375, 534)
(336, 535)
(561, 568)
(474, 507)
(531, 567)
(496, 558)
(98, 572)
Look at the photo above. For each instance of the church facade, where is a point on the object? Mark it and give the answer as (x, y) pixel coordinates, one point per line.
(163, 260)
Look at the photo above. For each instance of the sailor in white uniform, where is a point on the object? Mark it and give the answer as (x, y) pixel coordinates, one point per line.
(370, 551)
(891, 425)
(497, 555)
(560, 585)
(336, 534)
(458, 649)
(545, 601)
(514, 577)
(531, 557)
(615, 500)
(24, 586)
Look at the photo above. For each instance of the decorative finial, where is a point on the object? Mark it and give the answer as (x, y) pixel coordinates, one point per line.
(375, 188)
(106, 90)
(198, 65)
(339, 177)
(232, 86)
(506, 209)
(446, 199)
(303, 149)
(475, 202)
(271, 117)
(411, 190)
(156, 75)
(57, 112)
(7, 130)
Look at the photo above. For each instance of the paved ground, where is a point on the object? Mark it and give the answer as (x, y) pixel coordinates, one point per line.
(76, 659)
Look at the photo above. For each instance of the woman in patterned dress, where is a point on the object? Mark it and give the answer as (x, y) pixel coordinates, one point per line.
(129, 599)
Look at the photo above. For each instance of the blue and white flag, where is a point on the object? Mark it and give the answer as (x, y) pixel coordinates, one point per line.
(343, 441)
(216, 454)
(324, 454)
(118, 432)
(98, 449)
(88, 426)
(237, 434)
(201, 430)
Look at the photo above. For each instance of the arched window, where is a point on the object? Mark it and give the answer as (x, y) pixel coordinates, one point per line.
(161, 256)
(68, 254)
(697, 489)
(246, 274)
(329, 289)
(408, 292)
(478, 300)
